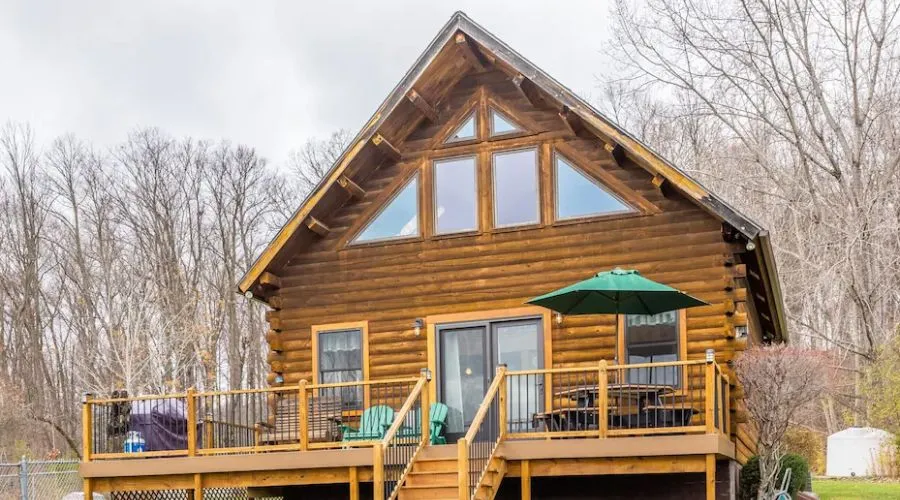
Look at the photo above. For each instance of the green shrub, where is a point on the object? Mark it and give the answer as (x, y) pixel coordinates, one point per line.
(800, 478)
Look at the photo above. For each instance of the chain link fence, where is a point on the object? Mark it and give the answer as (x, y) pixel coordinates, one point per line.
(39, 479)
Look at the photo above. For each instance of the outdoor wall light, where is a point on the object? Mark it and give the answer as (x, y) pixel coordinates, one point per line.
(751, 246)
(279, 379)
(559, 318)
(710, 355)
(417, 326)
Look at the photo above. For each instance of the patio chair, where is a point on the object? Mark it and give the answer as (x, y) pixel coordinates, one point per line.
(375, 421)
(438, 413)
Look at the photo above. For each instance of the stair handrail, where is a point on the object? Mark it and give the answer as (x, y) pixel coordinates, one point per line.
(466, 470)
(392, 441)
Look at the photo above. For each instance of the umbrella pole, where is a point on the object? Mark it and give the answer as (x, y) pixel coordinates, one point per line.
(616, 330)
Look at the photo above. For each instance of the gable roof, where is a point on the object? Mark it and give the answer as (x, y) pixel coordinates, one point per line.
(574, 109)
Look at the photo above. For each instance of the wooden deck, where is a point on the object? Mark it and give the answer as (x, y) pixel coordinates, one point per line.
(496, 444)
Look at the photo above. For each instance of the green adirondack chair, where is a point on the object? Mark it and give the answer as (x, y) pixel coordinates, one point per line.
(438, 413)
(437, 423)
(375, 421)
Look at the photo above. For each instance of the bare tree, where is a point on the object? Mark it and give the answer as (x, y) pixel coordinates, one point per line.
(795, 104)
(778, 382)
(310, 163)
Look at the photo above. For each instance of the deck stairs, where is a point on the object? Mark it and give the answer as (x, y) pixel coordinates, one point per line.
(435, 476)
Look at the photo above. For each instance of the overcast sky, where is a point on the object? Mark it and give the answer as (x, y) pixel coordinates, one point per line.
(269, 74)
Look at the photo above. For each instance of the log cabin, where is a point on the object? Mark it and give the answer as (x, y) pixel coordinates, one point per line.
(404, 362)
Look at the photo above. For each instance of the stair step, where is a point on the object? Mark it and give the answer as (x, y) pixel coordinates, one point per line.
(427, 492)
(438, 465)
(427, 478)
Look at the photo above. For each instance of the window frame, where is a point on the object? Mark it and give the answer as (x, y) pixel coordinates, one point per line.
(363, 328)
(473, 115)
(680, 343)
(370, 218)
(493, 109)
(554, 180)
(434, 195)
(493, 194)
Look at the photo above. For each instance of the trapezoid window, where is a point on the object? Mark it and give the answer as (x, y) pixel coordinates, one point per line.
(578, 195)
(465, 132)
(516, 200)
(502, 124)
(455, 195)
(398, 219)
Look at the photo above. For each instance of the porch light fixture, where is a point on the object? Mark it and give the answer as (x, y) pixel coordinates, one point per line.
(417, 326)
(710, 356)
(279, 379)
(559, 318)
(751, 246)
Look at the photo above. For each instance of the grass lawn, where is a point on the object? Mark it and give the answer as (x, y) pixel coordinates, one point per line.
(846, 489)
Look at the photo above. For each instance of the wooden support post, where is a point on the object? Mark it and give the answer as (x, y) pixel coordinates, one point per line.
(86, 428)
(462, 468)
(378, 470)
(191, 396)
(351, 187)
(88, 485)
(727, 426)
(526, 479)
(354, 483)
(710, 399)
(303, 415)
(317, 226)
(720, 400)
(711, 476)
(426, 416)
(422, 105)
(602, 400)
(501, 401)
(386, 148)
(468, 51)
(198, 487)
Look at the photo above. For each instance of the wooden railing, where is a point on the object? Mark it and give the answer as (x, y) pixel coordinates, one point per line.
(394, 455)
(617, 400)
(301, 417)
(478, 448)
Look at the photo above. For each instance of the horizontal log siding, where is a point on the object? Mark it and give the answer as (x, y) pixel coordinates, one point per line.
(390, 285)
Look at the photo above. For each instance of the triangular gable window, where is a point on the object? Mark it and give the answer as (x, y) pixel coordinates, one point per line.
(502, 124)
(465, 132)
(398, 219)
(577, 195)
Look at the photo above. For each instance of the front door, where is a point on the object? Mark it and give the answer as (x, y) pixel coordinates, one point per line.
(468, 356)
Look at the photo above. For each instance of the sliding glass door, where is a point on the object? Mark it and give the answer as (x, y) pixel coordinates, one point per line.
(468, 356)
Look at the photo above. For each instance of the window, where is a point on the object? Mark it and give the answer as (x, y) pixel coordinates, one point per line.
(502, 124)
(464, 132)
(652, 339)
(340, 360)
(398, 219)
(577, 195)
(516, 188)
(455, 195)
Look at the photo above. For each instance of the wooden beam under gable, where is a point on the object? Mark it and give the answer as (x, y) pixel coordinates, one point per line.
(316, 226)
(529, 91)
(269, 280)
(423, 105)
(351, 187)
(469, 52)
(386, 148)
(574, 122)
(616, 151)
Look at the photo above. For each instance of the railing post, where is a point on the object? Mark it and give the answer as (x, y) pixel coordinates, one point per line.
(602, 399)
(191, 396)
(207, 431)
(462, 468)
(503, 418)
(303, 415)
(425, 413)
(378, 471)
(727, 425)
(23, 478)
(86, 427)
(710, 381)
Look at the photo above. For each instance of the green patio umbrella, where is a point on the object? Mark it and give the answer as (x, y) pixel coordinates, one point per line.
(620, 291)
